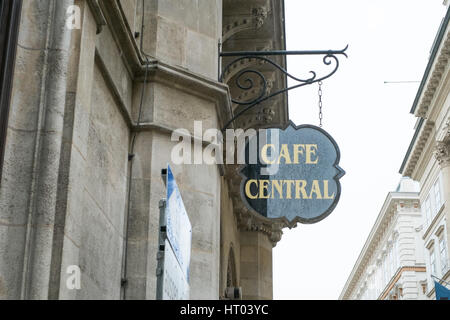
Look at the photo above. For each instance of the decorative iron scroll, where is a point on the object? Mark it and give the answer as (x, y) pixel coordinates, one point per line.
(244, 81)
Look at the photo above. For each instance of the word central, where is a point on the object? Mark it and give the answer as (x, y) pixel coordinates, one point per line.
(286, 189)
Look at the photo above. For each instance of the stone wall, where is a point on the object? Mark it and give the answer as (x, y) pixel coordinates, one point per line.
(89, 132)
(74, 115)
(185, 33)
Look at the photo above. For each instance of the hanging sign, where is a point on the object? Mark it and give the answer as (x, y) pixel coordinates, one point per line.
(292, 174)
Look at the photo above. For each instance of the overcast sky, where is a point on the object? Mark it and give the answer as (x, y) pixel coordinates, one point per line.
(389, 40)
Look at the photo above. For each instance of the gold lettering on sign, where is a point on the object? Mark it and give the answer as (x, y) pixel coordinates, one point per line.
(311, 150)
(263, 186)
(247, 189)
(308, 151)
(284, 189)
(315, 189)
(298, 150)
(284, 153)
(264, 153)
(300, 188)
(287, 189)
(277, 184)
(325, 190)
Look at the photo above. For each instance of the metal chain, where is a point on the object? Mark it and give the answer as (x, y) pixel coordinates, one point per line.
(320, 104)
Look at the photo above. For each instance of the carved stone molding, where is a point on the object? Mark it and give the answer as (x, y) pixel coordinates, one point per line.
(98, 15)
(447, 130)
(262, 118)
(434, 79)
(444, 133)
(418, 148)
(239, 23)
(406, 205)
(249, 221)
(243, 64)
(442, 153)
(259, 15)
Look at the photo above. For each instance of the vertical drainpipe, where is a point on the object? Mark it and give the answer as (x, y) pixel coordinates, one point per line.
(38, 251)
(9, 31)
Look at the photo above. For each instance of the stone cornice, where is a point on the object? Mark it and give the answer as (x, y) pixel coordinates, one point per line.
(434, 71)
(98, 15)
(396, 277)
(117, 22)
(157, 71)
(194, 84)
(427, 99)
(416, 149)
(434, 80)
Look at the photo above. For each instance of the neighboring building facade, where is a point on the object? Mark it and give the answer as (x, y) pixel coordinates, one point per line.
(391, 265)
(422, 257)
(88, 131)
(428, 157)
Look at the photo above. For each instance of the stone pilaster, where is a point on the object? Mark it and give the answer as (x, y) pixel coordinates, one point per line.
(28, 194)
(257, 237)
(256, 266)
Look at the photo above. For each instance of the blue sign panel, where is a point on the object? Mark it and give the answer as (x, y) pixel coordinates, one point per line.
(179, 229)
(292, 174)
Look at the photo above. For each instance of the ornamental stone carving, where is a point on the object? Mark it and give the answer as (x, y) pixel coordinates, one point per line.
(248, 221)
(259, 15)
(239, 23)
(442, 153)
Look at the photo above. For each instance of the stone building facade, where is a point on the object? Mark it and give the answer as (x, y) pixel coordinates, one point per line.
(97, 88)
(391, 265)
(428, 157)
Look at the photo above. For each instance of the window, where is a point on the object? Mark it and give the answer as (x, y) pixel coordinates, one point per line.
(433, 262)
(396, 254)
(437, 195)
(443, 254)
(386, 271)
(372, 287)
(433, 202)
(376, 282)
(379, 281)
(392, 260)
(428, 210)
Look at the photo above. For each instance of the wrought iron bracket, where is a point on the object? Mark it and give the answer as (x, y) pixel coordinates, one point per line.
(244, 81)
